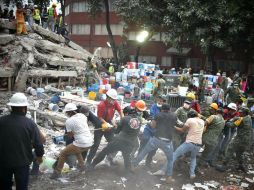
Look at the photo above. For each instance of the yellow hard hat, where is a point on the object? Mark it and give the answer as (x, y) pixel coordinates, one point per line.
(191, 96)
(53, 5)
(214, 106)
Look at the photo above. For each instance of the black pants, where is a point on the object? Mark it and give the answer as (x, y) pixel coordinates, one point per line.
(117, 144)
(21, 175)
(97, 140)
(150, 155)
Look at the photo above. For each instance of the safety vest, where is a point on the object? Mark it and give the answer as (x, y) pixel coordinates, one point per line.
(51, 12)
(36, 15)
(20, 16)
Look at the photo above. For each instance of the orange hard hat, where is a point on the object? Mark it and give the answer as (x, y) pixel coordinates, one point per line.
(140, 105)
(214, 106)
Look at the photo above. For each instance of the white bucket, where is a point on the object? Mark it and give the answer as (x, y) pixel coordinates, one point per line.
(182, 90)
(53, 107)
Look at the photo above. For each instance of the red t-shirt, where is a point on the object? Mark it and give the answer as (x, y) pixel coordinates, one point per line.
(107, 110)
(227, 116)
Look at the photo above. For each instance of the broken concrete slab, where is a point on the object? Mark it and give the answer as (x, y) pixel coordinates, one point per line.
(6, 72)
(51, 73)
(5, 23)
(67, 62)
(79, 48)
(63, 50)
(48, 34)
(20, 83)
(6, 38)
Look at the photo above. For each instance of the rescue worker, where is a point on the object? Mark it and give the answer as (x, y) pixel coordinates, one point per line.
(44, 18)
(241, 142)
(36, 15)
(18, 136)
(129, 127)
(164, 123)
(181, 114)
(194, 102)
(224, 83)
(21, 25)
(195, 127)
(105, 113)
(52, 17)
(149, 131)
(77, 127)
(185, 78)
(111, 69)
(233, 93)
(218, 95)
(214, 126)
(159, 86)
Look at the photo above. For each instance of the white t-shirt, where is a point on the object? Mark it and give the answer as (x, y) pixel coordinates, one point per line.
(78, 125)
(196, 128)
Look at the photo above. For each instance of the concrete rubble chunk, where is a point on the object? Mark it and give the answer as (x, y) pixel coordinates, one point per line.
(6, 38)
(67, 62)
(46, 33)
(63, 50)
(51, 73)
(5, 23)
(188, 187)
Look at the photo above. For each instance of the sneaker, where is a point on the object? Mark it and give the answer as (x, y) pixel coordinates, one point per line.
(192, 176)
(159, 173)
(170, 180)
(55, 175)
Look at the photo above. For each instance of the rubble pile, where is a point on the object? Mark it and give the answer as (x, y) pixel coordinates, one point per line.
(38, 59)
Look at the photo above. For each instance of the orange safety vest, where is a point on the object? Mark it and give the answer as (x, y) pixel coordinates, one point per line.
(20, 16)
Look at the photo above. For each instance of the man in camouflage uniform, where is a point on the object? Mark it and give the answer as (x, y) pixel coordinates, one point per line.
(242, 140)
(159, 87)
(233, 93)
(214, 126)
(224, 83)
(181, 114)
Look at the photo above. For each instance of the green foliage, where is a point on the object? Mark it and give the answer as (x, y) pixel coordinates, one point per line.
(208, 24)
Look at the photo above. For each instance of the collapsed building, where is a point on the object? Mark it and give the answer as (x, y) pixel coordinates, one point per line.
(38, 59)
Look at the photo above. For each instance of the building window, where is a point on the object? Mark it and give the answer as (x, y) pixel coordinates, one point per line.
(67, 10)
(105, 52)
(132, 35)
(166, 61)
(100, 29)
(80, 7)
(79, 29)
(147, 59)
(155, 37)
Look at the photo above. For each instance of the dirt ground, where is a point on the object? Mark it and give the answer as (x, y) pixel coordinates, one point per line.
(105, 177)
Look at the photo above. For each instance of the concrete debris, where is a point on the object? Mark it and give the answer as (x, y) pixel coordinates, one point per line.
(213, 184)
(245, 185)
(157, 185)
(188, 187)
(199, 185)
(38, 57)
(249, 180)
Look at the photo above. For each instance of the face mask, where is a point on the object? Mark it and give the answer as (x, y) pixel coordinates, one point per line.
(159, 105)
(186, 106)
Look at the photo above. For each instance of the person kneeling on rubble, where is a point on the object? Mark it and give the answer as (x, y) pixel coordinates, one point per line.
(76, 126)
(129, 127)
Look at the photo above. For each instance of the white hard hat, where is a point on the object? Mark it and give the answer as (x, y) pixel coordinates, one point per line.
(18, 100)
(232, 106)
(35, 6)
(112, 94)
(70, 107)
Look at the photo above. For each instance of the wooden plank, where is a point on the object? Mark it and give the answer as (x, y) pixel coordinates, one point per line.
(51, 73)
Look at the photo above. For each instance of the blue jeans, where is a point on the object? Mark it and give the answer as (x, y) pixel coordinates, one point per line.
(181, 150)
(153, 144)
(21, 175)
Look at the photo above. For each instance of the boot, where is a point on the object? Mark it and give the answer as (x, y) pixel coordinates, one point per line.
(35, 169)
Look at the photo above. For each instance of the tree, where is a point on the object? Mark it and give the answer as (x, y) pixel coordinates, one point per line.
(210, 24)
(95, 9)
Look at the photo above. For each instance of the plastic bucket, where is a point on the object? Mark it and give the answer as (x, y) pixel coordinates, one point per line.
(55, 99)
(58, 140)
(53, 107)
(40, 92)
(92, 95)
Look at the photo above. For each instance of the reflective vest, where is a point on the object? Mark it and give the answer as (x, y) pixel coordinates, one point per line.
(36, 15)
(20, 16)
(51, 12)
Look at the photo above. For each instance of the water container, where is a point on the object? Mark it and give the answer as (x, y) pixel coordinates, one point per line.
(91, 95)
(53, 107)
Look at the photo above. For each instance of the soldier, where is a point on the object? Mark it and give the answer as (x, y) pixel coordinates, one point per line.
(241, 141)
(159, 87)
(181, 114)
(214, 126)
(224, 83)
(233, 93)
